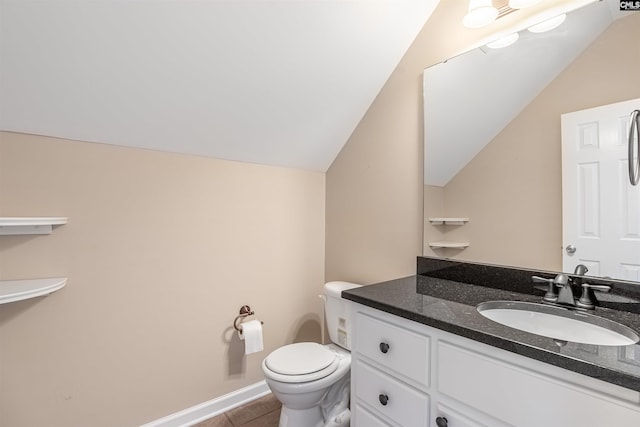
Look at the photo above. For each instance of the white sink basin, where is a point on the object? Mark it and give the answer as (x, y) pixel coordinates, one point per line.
(558, 323)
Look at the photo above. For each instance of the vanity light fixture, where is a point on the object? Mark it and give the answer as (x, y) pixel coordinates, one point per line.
(504, 41)
(521, 4)
(549, 24)
(481, 13)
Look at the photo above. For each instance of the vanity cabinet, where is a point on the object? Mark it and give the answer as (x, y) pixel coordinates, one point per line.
(406, 374)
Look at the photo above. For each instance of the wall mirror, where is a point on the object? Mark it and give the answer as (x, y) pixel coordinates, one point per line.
(493, 162)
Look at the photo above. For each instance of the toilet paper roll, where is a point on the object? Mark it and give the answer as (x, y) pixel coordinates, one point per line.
(252, 335)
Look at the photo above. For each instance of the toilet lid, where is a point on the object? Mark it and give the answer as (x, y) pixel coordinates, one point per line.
(301, 362)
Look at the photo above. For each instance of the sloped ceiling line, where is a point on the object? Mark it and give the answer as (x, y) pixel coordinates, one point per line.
(280, 83)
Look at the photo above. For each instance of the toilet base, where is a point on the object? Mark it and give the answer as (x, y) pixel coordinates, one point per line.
(311, 417)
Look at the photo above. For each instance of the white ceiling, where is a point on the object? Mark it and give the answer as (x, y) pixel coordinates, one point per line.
(273, 82)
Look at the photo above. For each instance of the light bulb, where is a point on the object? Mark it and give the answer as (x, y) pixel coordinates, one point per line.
(481, 13)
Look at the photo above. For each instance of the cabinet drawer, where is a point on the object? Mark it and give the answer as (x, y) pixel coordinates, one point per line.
(392, 399)
(400, 350)
(455, 418)
(364, 418)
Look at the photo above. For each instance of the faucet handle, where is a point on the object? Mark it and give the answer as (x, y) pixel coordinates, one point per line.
(586, 300)
(601, 288)
(551, 295)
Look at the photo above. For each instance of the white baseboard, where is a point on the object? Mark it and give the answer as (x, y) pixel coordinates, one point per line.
(206, 410)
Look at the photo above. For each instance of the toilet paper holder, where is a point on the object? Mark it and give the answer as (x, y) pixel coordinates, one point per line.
(245, 311)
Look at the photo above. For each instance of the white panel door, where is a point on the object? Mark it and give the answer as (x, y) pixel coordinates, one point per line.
(601, 209)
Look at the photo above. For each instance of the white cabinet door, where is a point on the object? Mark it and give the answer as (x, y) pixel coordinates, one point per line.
(524, 398)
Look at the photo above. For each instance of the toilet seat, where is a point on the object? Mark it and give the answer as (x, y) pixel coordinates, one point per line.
(301, 362)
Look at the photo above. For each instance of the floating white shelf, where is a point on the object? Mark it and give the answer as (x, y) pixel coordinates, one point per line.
(455, 245)
(448, 220)
(18, 290)
(29, 225)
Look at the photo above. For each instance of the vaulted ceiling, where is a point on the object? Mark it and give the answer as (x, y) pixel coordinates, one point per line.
(273, 82)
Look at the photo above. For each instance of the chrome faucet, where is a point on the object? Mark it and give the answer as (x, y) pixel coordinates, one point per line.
(565, 283)
(561, 281)
(565, 296)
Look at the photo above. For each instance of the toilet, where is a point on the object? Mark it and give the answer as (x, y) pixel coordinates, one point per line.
(312, 380)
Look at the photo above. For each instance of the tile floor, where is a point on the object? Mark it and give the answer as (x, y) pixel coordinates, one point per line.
(263, 412)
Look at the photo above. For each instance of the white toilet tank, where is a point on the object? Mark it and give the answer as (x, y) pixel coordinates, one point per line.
(338, 313)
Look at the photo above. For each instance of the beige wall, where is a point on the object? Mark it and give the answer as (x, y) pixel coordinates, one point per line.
(161, 250)
(512, 189)
(374, 187)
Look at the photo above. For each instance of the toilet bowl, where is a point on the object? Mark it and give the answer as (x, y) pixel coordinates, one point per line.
(312, 380)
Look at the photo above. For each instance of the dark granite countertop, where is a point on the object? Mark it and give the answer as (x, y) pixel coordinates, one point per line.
(445, 294)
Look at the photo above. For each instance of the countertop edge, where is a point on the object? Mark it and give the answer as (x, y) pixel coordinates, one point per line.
(559, 360)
